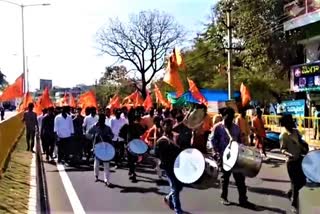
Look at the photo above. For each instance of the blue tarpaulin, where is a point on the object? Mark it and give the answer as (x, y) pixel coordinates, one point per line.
(210, 94)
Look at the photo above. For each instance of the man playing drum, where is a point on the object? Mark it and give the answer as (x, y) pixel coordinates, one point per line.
(129, 132)
(101, 133)
(220, 141)
(294, 148)
(167, 151)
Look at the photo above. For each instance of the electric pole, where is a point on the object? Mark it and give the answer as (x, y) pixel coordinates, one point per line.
(230, 74)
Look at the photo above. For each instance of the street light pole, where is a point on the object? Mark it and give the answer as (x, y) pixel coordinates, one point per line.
(26, 77)
(25, 89)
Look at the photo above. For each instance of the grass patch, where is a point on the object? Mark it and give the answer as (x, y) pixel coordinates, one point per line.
(14, 185)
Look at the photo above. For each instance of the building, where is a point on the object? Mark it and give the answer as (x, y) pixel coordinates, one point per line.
(304, 15)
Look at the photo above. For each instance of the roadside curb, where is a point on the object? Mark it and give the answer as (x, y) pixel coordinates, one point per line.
(32, 204)
(42, 190)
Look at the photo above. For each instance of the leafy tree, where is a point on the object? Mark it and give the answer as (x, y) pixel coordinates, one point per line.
(143, 41)
(262, 51)
(114, 81)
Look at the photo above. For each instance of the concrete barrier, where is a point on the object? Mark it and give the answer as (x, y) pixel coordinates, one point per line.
(10, 131)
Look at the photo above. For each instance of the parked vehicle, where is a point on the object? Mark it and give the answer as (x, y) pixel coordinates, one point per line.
(272, 140)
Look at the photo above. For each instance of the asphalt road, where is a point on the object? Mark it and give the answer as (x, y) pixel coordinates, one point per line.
(267, 191)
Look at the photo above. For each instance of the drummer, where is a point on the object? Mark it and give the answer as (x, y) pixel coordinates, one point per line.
(131, 131)
(101, 133)
(220, 140)
(167, 151)
(294, 148)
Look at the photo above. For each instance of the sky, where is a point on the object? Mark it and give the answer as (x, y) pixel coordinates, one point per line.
(60, 38)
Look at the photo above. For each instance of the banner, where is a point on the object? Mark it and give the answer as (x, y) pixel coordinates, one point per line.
(294, 107)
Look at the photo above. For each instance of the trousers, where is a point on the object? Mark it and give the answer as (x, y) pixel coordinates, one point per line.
(240, 183)
(175, 189)
(106, 168)
(30, 135)
(297, 178)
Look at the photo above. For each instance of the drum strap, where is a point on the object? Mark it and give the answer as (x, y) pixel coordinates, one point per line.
(228, 133)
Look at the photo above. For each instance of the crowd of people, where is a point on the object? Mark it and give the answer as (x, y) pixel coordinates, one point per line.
(70, 137)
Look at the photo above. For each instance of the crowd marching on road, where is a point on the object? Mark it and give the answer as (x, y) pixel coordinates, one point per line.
(72, 141)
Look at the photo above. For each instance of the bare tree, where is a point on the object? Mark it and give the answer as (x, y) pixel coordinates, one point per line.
(143, 41)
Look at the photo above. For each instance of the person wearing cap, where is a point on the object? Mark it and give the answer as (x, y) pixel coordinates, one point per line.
(31, 123)
(294, 148)
(223, 131)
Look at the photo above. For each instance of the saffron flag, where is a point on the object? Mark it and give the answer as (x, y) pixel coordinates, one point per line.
(172, 76)
(160, 99)
(245, 95)
(72, 101)
(13, 91)
(179, 59)
(46, 101)
(114, 102)
(133, 99)
(86, 100)
(196, 93)
(38, 106)
(25, 102)
(148, 104)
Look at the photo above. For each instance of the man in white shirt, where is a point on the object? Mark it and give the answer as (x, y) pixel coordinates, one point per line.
(63, 127)
(116, 124)
(88, 122)
(108, 117)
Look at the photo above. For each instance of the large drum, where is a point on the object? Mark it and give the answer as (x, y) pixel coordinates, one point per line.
(242, 159)
(191, 167)
(104, 151)
(137, 147)
(311, 166)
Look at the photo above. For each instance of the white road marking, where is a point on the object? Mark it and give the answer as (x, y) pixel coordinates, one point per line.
(32, 204)
(72, 195)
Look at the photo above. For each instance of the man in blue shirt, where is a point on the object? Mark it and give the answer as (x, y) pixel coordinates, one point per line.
(220, 141)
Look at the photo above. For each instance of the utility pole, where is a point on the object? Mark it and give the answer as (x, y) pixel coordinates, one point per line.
(230, 74)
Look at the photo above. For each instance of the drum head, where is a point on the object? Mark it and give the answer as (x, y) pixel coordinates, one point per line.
(189, 166)
(138, 147)
(104, 151)
(311, 166)
(230, 156)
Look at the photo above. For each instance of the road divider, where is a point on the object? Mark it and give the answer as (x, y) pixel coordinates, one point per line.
(10, 132)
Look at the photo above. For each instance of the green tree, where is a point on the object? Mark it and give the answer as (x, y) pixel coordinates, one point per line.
(262, 51)
(114, 80)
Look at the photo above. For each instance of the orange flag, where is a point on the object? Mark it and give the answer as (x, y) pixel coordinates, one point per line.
(114, 102)
(148, 104)
(245, 95)
(38, 106)
(72, 101)
(196, 93)
(45, 99)
(160, 99)
(135, 99)
(179, 59)
(13, 91)
(87, 99)
(172, 76)
(25, 102)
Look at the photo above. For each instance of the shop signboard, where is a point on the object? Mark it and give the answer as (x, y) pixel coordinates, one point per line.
(305, 77)
(294, 107)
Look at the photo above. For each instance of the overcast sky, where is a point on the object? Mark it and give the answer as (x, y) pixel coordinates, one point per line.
(60, 38)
